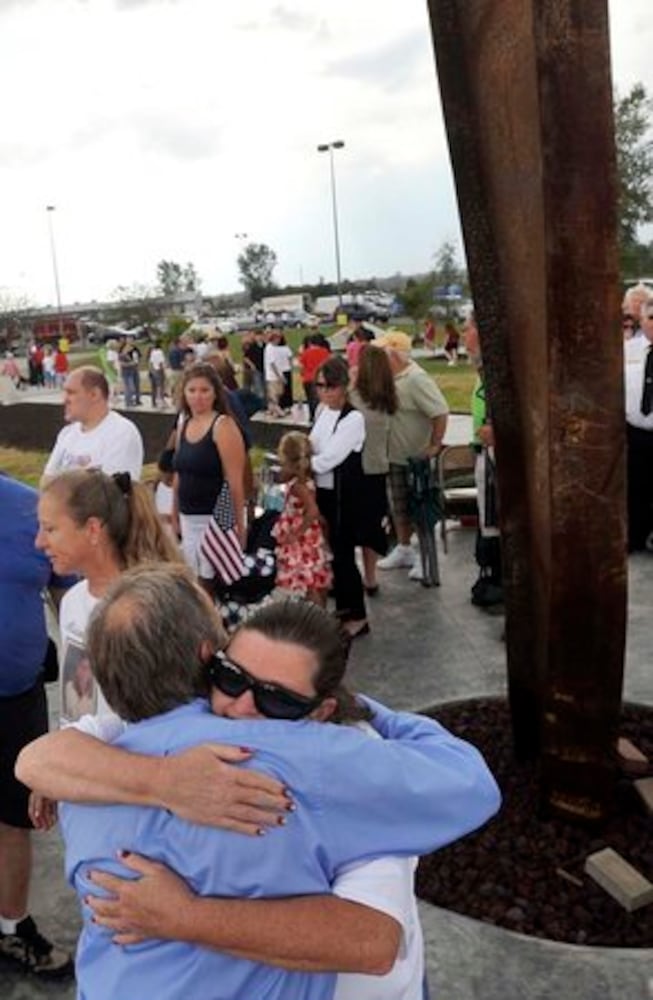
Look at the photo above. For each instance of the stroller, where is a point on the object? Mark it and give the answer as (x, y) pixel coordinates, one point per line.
(237, 601)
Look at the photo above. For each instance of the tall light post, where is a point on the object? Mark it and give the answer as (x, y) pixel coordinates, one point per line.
(49, 210)
(328, 147)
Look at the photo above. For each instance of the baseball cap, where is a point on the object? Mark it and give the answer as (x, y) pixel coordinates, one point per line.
(394, 340)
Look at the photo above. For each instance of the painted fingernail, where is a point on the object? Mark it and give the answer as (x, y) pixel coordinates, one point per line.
(260, 832)
(245, 749)
(281, 821)
(124, 854)
(291, 807)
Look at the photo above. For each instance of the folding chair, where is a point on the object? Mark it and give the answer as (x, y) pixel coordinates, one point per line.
(458, 493)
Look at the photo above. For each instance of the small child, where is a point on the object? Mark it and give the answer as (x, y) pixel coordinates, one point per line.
(11, 370)
(163, 490)
(49, 375)
(302, 554)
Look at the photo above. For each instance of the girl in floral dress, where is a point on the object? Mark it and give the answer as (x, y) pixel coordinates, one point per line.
(303, 559)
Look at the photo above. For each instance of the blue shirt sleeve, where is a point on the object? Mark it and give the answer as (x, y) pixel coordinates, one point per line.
(411, 792)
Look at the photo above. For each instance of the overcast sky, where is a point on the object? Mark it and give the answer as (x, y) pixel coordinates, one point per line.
(162, 128)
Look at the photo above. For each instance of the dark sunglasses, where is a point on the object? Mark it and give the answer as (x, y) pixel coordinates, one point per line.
(322, 385)
(271, 700)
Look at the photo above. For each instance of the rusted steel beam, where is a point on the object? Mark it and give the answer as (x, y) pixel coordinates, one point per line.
(527, 100)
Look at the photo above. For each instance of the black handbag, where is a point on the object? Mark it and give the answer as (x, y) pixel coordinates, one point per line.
(50, 668)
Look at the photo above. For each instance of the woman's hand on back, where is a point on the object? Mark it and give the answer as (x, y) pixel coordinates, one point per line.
(205, 785)
(152, 906)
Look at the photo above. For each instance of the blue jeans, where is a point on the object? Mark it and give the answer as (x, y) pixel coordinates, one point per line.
(131, 382)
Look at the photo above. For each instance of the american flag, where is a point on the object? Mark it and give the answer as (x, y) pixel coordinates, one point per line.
(220, 544)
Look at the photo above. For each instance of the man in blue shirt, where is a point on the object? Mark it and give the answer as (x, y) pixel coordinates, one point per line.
(149, 643)
(24, 574)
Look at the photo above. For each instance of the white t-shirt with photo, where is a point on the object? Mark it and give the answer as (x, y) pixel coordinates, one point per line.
(114, 445)
(80, 693)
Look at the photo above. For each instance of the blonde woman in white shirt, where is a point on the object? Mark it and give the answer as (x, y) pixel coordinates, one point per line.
(95, 525)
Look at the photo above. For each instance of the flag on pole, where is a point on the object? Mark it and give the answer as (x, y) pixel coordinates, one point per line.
(220, 544)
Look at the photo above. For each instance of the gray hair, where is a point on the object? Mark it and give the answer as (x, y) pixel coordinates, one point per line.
(646, 304)
(145, 637)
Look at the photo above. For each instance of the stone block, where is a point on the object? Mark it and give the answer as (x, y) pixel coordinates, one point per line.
(614, 874)
(631, 760)
(644, 788)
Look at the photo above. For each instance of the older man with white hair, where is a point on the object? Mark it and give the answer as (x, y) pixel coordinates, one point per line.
(416, 431)
(634, 300)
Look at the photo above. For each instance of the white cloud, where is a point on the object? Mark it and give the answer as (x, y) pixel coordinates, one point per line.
(163, 127)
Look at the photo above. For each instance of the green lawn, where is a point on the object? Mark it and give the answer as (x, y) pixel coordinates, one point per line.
(456, 383)
(24, 465)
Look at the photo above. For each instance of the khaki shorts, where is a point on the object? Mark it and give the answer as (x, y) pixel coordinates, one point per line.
(275, 389)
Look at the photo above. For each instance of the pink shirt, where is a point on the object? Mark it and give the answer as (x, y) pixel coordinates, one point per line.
(353, 349)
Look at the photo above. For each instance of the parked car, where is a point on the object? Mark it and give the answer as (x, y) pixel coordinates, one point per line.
(225, 324)
(301, 318)
(364, 311)
(99, 333)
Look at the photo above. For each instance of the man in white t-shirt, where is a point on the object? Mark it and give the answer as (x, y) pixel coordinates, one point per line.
(96, 437)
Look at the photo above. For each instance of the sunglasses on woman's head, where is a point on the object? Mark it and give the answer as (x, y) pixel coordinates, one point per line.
(271, 700)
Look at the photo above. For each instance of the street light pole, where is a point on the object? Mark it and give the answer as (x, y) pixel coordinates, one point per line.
(328, 147)
(49, 210)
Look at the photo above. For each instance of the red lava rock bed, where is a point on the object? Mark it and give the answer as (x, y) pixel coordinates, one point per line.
(506, 874)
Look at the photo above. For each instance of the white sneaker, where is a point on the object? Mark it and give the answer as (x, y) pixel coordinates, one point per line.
(417, 572)
(401, 557)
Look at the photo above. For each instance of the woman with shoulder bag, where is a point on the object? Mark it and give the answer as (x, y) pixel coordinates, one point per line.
(375, 396)
(337, 438)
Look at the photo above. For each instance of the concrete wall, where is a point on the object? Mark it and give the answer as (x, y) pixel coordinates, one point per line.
(34, 427)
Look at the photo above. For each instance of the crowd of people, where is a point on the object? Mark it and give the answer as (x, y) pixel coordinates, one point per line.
(157, 703)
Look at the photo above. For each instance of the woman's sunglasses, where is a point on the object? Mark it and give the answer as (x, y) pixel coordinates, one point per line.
(271, 700)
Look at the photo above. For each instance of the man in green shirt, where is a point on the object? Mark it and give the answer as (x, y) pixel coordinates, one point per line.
(488, 589)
